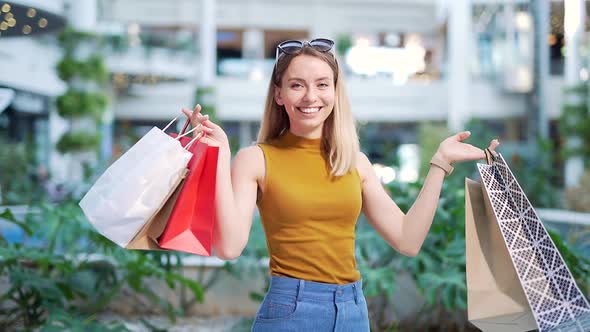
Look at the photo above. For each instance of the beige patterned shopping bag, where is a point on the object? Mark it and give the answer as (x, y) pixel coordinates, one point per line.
(556, 302)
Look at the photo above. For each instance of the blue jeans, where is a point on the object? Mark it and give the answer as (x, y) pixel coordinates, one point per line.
(298, 305)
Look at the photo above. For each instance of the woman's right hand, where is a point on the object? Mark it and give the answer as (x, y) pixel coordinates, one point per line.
(213, 134)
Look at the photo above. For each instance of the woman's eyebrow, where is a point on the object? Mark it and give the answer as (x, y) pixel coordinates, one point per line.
(301, 79)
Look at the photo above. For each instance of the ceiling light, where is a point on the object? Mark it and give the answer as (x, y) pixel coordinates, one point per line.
(31, 12)
(27, 29)
(43, 22)
(5, 8)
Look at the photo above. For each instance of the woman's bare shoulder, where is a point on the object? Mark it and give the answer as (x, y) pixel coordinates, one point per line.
(363, 165)
(250, 158)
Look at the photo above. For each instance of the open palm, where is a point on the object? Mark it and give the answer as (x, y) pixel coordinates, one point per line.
(454, 150)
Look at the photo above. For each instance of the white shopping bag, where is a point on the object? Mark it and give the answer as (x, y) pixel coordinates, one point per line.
(132, 190)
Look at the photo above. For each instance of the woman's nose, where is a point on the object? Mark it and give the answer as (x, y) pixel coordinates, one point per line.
(310, 95)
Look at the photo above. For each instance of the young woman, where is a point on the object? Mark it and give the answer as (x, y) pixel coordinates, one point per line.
(311, 181)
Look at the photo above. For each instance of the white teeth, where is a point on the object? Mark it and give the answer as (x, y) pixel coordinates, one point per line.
(309, 109)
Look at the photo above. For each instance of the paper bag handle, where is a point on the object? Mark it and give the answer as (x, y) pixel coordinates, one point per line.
(183, 131)
(490, 158)
(188, 121)
(196, 138)
(169, 124)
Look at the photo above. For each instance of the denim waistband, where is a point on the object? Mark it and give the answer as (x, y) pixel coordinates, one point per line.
(317, 291)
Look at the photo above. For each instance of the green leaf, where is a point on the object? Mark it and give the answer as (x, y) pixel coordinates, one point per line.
(8, 216)
(194, 286)
(256, 297)
(77, 141)
(448, 296)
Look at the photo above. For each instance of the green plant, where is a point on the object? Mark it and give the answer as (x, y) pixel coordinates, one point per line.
(80, 101)
(578, 198)
(250, 262)
(119, 43)
(92, 68)
(76, 104)
(205, 96)
(53, 283)
(343, 44)
(438, 270)
(78, 141)
(70, 38)
(574, 121)
(532, 165)
(536, 175)
(578, 264)
(19, 181)
(375, 148)
(430, 136)
(59, 321)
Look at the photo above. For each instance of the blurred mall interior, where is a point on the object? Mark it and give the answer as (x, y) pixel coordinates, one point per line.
(406, 62)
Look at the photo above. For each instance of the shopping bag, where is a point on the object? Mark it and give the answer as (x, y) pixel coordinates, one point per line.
(190, 225)
(556, 302)
(495, 299)
(147, 237)
(133, 189)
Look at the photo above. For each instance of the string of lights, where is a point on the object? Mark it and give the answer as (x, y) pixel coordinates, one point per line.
(21, 20)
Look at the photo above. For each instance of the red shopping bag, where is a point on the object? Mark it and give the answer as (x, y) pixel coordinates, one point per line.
(190, 225)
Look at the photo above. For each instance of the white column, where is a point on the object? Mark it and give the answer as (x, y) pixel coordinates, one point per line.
(208, 66)
(253, 44)
(107, 130)
(459, 51)
(541, 75)
(82, 14)
(575, 15)
(253, 50)
(58, 164)
(208, 42)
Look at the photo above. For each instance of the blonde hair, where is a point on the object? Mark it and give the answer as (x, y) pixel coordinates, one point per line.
(340, 143)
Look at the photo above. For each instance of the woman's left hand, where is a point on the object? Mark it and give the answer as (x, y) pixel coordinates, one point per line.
(454, 150)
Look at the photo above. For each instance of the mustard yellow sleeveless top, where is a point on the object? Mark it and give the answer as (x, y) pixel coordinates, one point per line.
(308, 216)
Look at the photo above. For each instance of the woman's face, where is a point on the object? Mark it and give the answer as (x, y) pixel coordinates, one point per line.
(307, 92)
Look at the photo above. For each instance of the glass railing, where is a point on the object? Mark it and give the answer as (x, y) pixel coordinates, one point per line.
(253, 69)
(154, 54)
(261, 69)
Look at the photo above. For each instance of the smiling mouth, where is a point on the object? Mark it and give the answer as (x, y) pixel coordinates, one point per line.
(308, 110)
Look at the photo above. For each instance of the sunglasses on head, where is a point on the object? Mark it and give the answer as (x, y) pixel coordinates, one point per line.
(295, 46)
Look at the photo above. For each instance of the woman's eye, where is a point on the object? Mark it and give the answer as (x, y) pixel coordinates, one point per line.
(295, 85)
(323, 85)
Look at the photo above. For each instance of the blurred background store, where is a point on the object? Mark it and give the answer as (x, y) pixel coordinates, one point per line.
(407, 62)
(82, 80)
